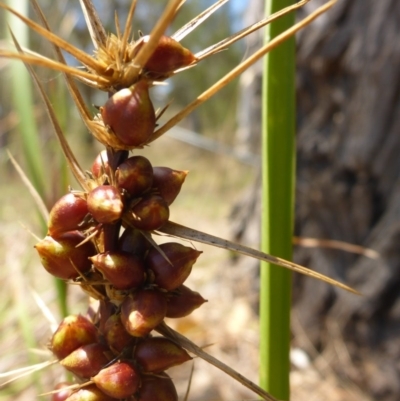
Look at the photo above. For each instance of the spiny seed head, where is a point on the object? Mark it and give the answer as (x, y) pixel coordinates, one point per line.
(168, 182)
(105, 204)
(173, 266)
(120, 380)
(135, 175)
(130, 114)
(61, 256)
(142, 311)
(183, 301)
(123, 270)
(73, 332)
(156, 354)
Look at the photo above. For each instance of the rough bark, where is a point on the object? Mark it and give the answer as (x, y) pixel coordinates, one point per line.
(348, 189)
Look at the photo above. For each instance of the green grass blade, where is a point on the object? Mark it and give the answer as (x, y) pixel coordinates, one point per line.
(23, 104)
(278, 153)
(22, 98)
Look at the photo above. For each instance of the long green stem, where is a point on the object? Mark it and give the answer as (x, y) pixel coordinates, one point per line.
(23, 103)
(278, 151)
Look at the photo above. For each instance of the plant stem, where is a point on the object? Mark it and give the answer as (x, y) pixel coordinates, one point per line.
(278, 152)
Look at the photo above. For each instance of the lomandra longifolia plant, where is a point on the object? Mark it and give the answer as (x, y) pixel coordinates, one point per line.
(103, 236)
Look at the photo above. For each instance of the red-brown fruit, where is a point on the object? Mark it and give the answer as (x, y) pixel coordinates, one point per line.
(121, 269)
(168, 56)
(67, 214)
(100, 165)
(118, 339)
(142, 311)
(61, 257)
(157, 388)
(90, 393)
(73, 332)
(87, 360)
(135, 175)
(130, 114)
(120, 380)
(183, 302)
(105, 204)
(63, 392)
(134, 242)
(168, 182)
(150, 213)
(170, 271)
(156, 354)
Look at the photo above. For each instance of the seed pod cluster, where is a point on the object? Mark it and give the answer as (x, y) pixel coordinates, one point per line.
(102, 240)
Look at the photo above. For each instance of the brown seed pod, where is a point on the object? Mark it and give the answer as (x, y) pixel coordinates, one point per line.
(105, 204)
(123, 270)
(170, 271)
(142, 311)
(168, 182)
(183, 302)
(61, 257)
(73, 332)
(100, 165)
(89, 393)
(135, 175)
(157, 388)
(67, 214)
(130, 114)
(168, 56)
(118, 339)
(156, 354)
(87, 360)
(134, 242)
(150, 213)
(119, 380)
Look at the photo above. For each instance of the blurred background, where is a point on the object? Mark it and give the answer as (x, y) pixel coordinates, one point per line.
(348, 74)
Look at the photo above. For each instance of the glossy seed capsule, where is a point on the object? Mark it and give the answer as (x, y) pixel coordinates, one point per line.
(183, 301)
(168, 182)
(105, 204)
(142, 311)
(130, 114)
(168, 56)
(123, 270)
(73, 332)
(67, 214)
(173, 265)
(119, 380)
(157, 388)
(156, 354)
(62, 257)
(135, 175)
